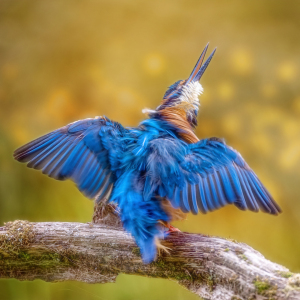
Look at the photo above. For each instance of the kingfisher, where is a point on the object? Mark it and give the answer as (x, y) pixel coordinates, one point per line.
(156, 172)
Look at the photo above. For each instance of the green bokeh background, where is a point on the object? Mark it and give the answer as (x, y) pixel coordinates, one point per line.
(66, 60)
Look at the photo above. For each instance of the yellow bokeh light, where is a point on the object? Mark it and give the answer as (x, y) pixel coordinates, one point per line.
(226, 91)
(10, 71)
(296, 105)
(291, 129)
(60, 106)
(242, 61)
(268, 90)
(272, 116)
(250, 107)
(20, 133)
(63, 61)
(58, 99)
(154, 63)
(290, 156)
(2, 95)
(95, 73)
(231, 123)
(127, 96)
(286, 71)
(262, 144)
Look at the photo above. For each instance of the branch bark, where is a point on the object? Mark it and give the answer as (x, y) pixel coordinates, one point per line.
(211, 267)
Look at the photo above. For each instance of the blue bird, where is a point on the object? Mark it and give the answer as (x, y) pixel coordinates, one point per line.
(154, 171)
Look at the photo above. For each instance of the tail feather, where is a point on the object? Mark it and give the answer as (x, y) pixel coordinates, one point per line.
(141, 218)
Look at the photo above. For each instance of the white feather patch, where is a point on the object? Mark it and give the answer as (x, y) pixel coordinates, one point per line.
(190, 93)
(148, 111)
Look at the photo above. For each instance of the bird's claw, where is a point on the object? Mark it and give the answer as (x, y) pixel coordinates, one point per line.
(172, 229)
(161, 248)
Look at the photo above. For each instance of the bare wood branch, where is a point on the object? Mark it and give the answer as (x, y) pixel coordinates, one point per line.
(211, 267)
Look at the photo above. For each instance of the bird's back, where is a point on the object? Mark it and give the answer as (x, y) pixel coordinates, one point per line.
(151, 168)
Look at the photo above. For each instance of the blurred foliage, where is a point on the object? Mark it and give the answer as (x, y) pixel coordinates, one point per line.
(65, 60)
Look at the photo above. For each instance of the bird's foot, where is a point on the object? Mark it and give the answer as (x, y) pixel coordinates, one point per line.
(171, 228)
(161, 248)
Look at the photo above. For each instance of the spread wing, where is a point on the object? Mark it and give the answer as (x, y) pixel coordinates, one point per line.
(86, 151)
(204, 176)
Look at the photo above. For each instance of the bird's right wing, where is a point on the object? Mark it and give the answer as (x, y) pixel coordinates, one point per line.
(203, 177)
(86, 151)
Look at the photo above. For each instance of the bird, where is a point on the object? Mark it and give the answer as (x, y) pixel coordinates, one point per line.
(156, 172)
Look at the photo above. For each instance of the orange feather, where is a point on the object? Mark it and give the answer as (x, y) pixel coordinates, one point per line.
(177, 116)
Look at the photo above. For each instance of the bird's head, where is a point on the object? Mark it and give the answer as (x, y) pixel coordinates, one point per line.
(183, 94)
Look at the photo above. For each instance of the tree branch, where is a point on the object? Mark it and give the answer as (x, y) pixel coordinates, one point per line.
(211, 267)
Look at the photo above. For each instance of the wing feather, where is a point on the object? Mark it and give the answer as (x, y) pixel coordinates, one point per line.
(248, 196)
(82, 151)
(183, 200)
(210, 175)
(219, 188)
(201, 200)
(213, 191)
(192, 199)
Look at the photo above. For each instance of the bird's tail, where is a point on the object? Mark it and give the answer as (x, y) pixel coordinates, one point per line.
(142, 219)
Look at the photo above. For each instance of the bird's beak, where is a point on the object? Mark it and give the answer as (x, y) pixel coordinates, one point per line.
(199, 69)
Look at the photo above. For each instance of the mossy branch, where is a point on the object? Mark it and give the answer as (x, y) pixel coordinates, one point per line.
(211, 267)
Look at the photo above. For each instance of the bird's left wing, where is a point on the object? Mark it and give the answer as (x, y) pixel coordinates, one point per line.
(203, 177)
(86, 151)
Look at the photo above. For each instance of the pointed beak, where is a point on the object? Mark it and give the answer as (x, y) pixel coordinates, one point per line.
(199, 69)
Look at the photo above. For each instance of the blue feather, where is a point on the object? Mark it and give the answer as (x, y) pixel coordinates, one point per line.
(217, 184)
(138, 167)
(208, 195)
(184, 204)
(192, 198)
(227, 186)
(176, 198)
(213, 192)
(201, 199)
